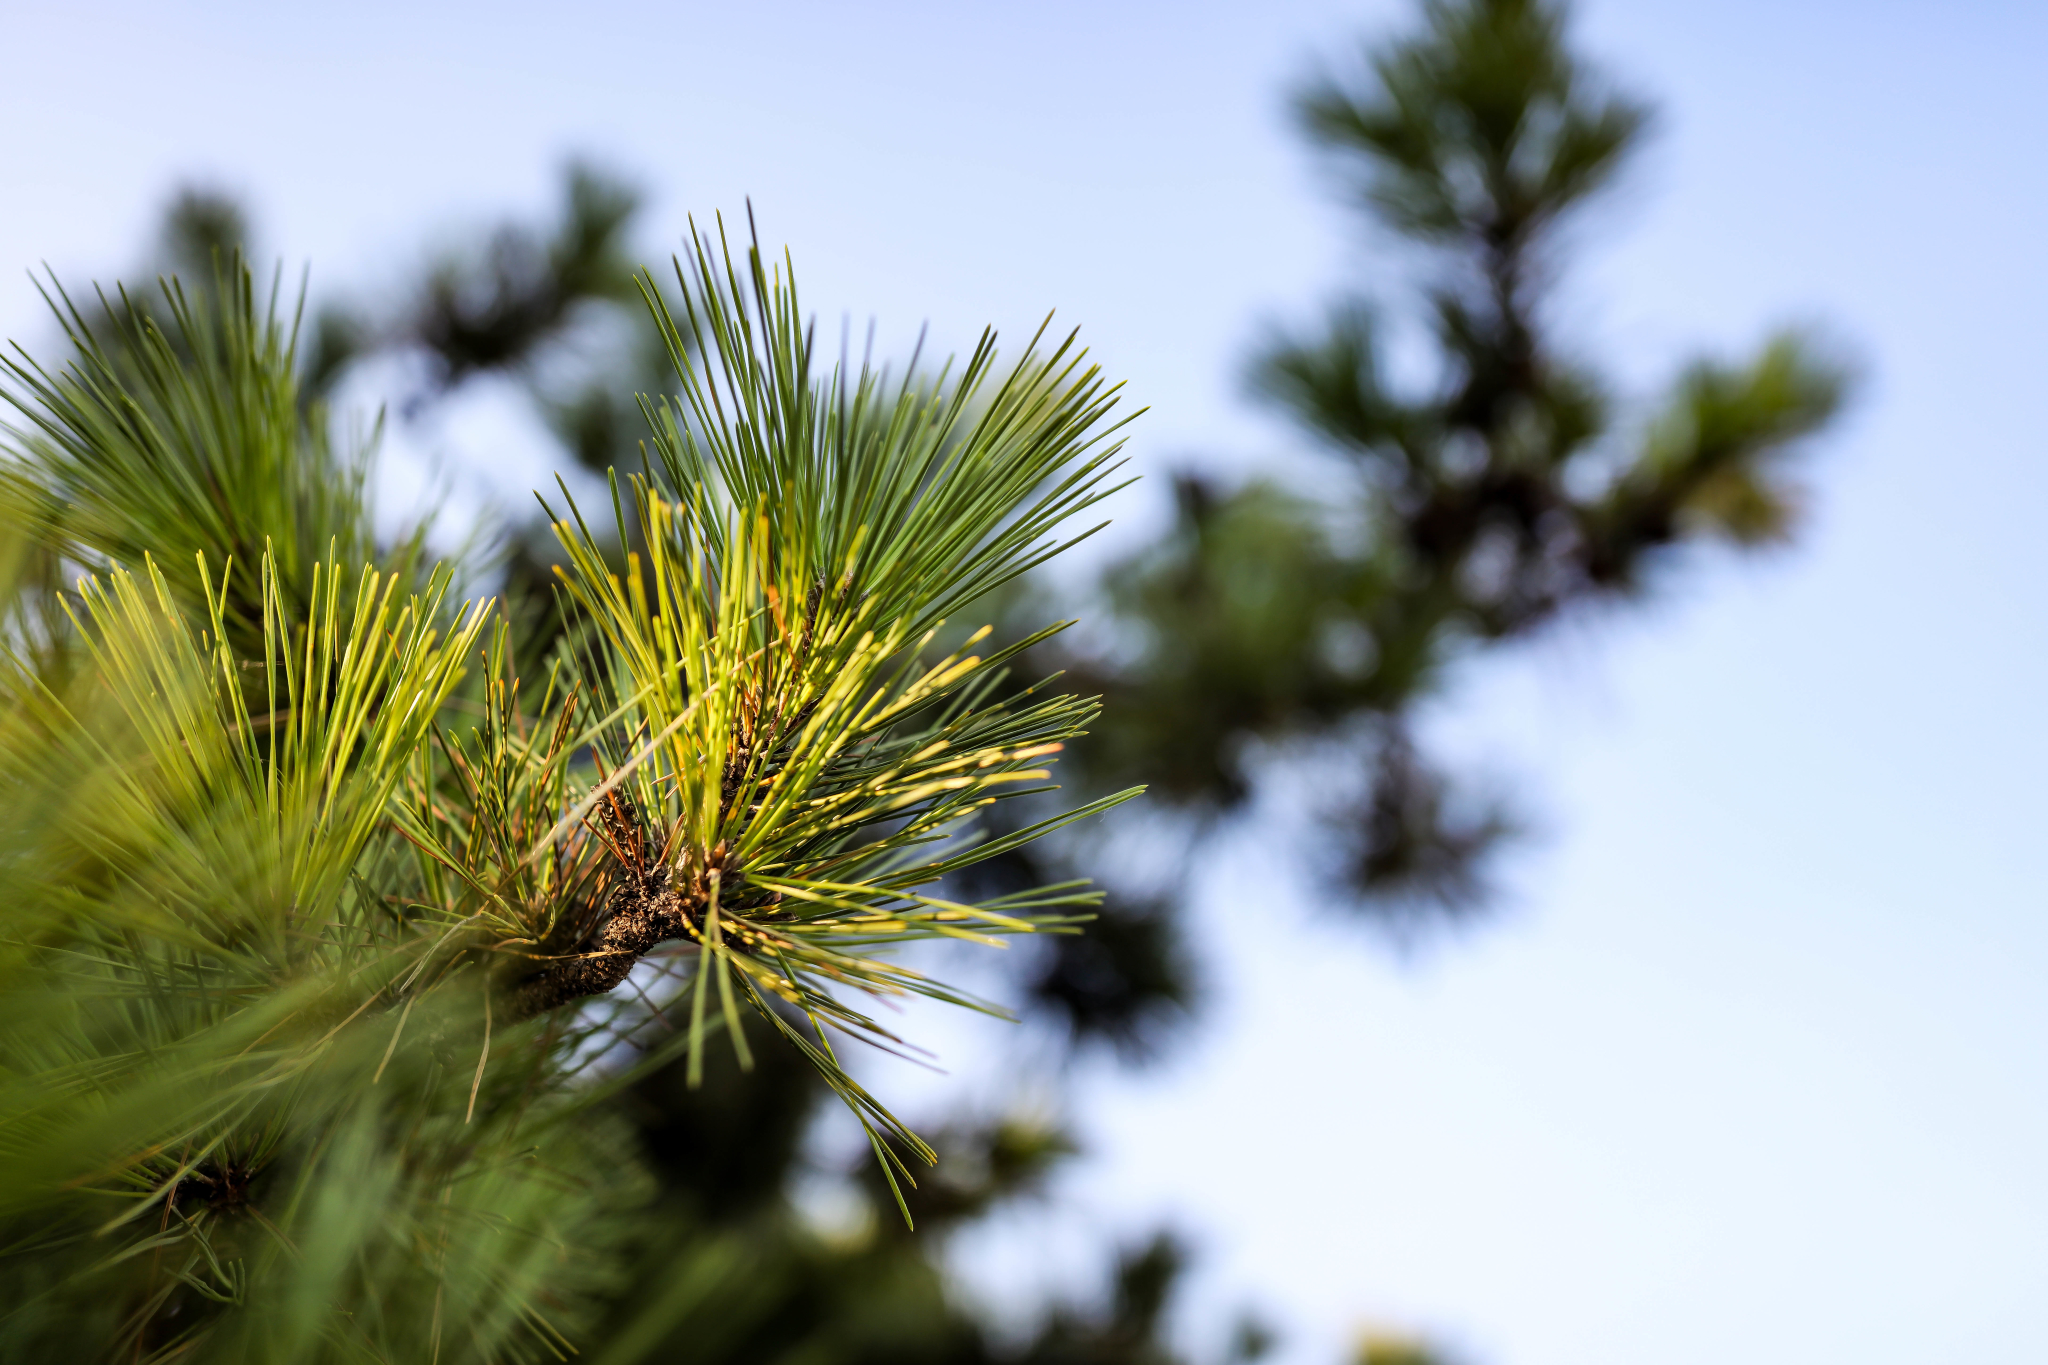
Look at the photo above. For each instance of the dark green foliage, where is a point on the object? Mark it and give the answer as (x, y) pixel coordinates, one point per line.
(1484, 128)
(726, 1153)
(494, 313)
(727, 1146)
(506, 303)
(203, 228)
(1129, 1333)
(1471, 509)
(1127, 981)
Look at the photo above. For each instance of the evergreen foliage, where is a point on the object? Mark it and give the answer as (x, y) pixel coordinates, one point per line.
(316, 907)
(177, 430)
(387, 978)
(1278, 625)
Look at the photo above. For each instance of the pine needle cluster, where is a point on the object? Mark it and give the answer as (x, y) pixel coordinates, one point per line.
(327, 932)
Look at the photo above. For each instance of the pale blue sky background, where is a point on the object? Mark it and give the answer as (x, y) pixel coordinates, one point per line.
(1752, 1065)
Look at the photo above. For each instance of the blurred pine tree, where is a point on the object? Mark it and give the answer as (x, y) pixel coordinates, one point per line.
(1279, 620)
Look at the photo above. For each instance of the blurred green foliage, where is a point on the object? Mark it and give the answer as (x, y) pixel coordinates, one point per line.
(1285, 624)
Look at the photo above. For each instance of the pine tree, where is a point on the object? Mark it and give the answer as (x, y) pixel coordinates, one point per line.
(726, 1155)
(326, 1036)
(1508, 490)
(333, 937)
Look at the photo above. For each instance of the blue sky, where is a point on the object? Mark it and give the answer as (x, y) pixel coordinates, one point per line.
(1751, 1064)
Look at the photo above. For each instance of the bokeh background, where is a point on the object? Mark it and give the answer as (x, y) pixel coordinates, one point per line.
(1748, 1063)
